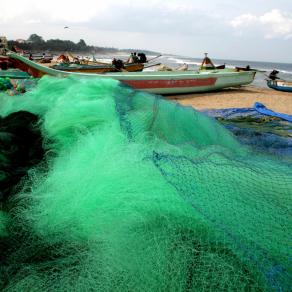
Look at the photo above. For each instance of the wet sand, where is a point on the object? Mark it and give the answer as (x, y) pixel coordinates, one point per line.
(241, 97)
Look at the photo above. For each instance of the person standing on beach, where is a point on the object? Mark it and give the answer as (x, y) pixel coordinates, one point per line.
(135, 58)
(274, 75)
(130, 59)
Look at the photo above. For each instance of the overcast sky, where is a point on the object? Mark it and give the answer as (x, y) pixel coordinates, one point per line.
(231, 29)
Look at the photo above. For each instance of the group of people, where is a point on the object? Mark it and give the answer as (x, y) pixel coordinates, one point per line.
(134, 58)
(137, 58)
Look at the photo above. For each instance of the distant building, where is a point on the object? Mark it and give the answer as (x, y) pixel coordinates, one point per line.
(3, 42)
(3, 45)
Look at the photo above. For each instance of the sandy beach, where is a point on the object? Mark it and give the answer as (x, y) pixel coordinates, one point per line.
(242, 97)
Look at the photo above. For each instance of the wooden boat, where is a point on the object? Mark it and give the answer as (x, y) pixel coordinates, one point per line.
(161, 82)
(280, 85)
(132, 67)
(39, 57)
(247, 68)
(221, 67)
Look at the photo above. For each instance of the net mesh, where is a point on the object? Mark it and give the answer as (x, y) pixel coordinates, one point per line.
(262, 133)
(140, 194)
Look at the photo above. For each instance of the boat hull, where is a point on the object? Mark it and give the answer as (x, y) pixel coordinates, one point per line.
(176, 82)
(161, 82)
(134, 67)
(280, 85)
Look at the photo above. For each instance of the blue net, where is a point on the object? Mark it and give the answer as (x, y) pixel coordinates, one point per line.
(264, 134)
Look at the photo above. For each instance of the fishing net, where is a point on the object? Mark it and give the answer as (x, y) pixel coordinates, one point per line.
(3, 224)
(140, 194)
(262, 133)
(16, 86)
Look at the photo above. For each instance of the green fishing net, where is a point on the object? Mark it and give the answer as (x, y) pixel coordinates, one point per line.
(140, 194)
(3, 224)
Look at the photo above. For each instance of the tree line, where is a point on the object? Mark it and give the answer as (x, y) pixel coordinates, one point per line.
(36, 43)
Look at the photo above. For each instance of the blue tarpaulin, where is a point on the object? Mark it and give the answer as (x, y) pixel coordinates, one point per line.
(265, 111)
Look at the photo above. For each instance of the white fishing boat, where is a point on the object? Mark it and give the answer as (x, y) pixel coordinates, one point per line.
(162, 82)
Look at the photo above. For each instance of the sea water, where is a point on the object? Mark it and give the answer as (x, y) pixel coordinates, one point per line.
(285, 69)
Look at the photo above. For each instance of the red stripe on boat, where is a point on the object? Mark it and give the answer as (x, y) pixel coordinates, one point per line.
(143, 84)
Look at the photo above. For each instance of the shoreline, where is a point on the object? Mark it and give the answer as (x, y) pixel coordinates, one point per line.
(243, 97)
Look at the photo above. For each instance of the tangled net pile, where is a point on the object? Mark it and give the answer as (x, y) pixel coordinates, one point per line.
(140, 194)
(260, 132)
(16, 86)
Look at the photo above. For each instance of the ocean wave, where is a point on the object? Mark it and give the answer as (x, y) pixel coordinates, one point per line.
(271, 69)
(285, 72)
(174, 60)
(104, 60)
(227, 66)
(183, 61)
